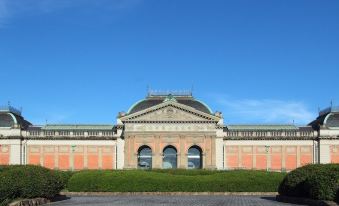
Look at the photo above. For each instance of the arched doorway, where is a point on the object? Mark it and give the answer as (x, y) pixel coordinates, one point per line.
(145, 157)
(169, 160)
(194, 158)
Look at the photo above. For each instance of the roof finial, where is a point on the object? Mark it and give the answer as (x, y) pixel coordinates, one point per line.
(192, 89)
(148, 90)
(170, 97)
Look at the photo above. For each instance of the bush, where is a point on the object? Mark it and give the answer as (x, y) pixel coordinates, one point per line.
(320, 181)
(64, 176)
(175, 181)
(324, 183)
(28, 182)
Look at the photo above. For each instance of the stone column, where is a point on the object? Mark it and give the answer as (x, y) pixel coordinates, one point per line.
(157, 153)
(183, 153)
(298, 156)
(120, 153)
(219, 153)
(239, 157)
(56, 159)
(213, 152)
(100, 157)
(85, 156)
(283, 158)
(254, 157)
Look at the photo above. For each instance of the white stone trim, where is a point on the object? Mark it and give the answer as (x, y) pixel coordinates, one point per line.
(268, 142)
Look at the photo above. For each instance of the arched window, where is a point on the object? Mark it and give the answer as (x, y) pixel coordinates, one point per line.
(169, 160)
(194, 158)
(145, 157)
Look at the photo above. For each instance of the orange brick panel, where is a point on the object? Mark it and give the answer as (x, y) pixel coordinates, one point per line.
(247, 161)
(49, 161)
(305, 159)
(34, 159)
(335, 158)
(64, 162)
(276, 162)
(4, 159)
(232, 161)
(78, 162)
(291, 162)
(261, 162)
(107, 162)
(93, 162)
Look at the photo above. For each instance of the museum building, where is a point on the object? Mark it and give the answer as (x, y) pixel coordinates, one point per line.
(169, 130)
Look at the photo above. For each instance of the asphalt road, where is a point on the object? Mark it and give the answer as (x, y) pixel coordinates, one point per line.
(150, 200)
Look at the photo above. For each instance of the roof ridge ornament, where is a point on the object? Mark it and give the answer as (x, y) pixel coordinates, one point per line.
(170, 97)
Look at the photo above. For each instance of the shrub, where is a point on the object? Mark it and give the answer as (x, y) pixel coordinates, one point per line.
(323, 183)
(175, 181)
(64, 176)
(318, 181)
(28, 182)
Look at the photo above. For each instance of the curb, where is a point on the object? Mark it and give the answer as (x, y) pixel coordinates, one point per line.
(304, 201)
(35, 201)
(166, 193)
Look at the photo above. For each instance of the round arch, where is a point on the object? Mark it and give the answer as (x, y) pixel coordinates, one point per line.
(145, 157)
(194, 157)
(169, 159)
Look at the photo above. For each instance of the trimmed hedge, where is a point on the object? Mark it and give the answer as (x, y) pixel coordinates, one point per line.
(64, 176)
(28, 182)
(174, 181)
(320, 181)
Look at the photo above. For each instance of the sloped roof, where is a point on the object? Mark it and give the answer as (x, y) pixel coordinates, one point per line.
(77, 127)
(262, 127)
(188, 101)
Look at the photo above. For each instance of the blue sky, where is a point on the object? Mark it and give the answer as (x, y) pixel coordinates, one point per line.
(83, 61)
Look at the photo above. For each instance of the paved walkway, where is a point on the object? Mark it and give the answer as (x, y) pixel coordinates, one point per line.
(152, 200)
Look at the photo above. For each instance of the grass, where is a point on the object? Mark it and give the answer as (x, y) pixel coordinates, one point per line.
(175, 181)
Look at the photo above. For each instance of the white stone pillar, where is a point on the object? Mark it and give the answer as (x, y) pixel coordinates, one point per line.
(120, 153)
(219, 156)
(324, 153)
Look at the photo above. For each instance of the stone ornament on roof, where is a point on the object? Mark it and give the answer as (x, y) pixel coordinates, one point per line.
(170, 97)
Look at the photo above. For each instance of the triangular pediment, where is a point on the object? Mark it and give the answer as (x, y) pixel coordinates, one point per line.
(170, 111)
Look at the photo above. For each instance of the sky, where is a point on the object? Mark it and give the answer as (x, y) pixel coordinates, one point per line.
(83, 61)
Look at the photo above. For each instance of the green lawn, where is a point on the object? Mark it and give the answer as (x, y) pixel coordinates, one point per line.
(174, 181)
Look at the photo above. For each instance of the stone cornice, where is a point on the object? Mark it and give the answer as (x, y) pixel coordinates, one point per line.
(171, 122)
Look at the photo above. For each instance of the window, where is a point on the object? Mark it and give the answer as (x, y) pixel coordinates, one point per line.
(194, 158)
(145, 157)
(169, 160)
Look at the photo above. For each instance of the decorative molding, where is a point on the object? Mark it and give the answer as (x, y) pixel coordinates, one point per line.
(170, 127)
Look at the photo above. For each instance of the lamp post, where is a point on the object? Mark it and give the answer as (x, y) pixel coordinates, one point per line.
(267, 149)
(73, 149)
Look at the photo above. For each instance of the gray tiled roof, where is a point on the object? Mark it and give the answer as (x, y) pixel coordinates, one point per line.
(77, 127)
(147, 103)
(262, 127)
